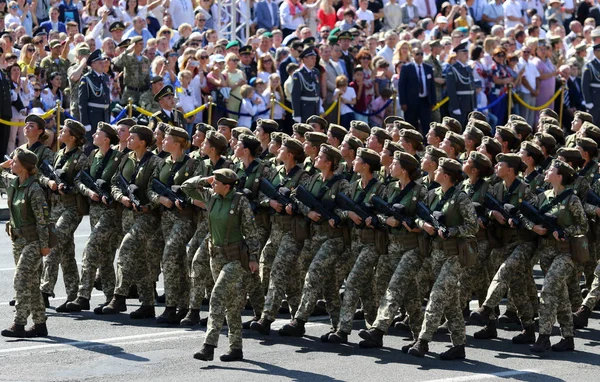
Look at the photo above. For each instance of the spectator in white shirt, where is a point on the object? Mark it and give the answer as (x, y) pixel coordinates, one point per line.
(513, 14)
(292, 16)
(249, 106)
(427, 8)
(182, 11)
(528, 90)
(187, 98)
(387, 52)
(363, 13)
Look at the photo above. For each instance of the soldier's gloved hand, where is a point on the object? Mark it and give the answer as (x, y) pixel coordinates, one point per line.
(298, 119)
(457, 112)
(88, 127)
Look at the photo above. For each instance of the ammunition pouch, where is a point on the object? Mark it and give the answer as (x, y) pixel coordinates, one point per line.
(382, 241)
(450, 247)
(233, 252)
(468, 251)
(300, 228)
(283, 221)
(579, 247)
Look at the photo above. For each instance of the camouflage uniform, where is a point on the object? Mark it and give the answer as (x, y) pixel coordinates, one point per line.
(97, 254)
(224, 302)
(74, 99)
(438, 72)
(588, 268)
(147, 102)
(592, 298)
(461, 221)
(27, 205)
(51, 66)
(66, 217)
(136, 75)
(177, 230)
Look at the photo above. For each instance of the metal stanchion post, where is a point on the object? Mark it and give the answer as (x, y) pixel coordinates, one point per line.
(57, 124)
(130, 107)
(394, 101)
(273, 106)
(210, 105)
(510, 102)
(562, 104)
(339, 109)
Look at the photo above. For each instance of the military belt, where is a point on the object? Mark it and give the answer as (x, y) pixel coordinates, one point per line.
(595, 85)
(464, 92)
(28, 232)
(98, 105)
(136, 89)
(310, 99)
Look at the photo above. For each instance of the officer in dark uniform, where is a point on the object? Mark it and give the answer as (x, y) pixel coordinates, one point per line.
(247, 62)
(344, 40)
(461, 86)
(305, 87)
(167, 113)
(590, 85)
(5, 107)
(94, 97)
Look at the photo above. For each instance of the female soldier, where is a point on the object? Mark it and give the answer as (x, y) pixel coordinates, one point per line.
(176, 223)
(461, 223)
(359, 283)
(67, 211)
(28, 230)
(234, 249)
(35, 133)
(139, 221)
(556, 255)
(97, 255)
(399, 267)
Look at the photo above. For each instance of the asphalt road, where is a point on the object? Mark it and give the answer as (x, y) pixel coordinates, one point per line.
(86, 347)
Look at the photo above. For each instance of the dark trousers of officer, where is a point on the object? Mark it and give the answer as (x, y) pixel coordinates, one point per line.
(421, 112)
(308, 109)
(4, 134)
(95, 115)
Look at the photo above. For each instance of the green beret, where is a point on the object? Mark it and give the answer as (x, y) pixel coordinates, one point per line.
(75, 127)
(319, 120)
(225, 175)
(162, 127)
(456, 139)
(278, 136)
(27, 158)
(236, 132)
(331, 152)
(570, 154)
(435, 154)
(546, 140)
(591, 131)
(450, 165)
(136, 39)
(391, 119)
(231, 123)
(293, 145)
(392, 146)
(550, 113)
(483, 126)
(126, 121)
(250, 142)
(474, 133)
(555, 131)
(232, 44)
(353, 142)
(369, 156)
(548, 120)
(401, 124)
(506, 133)
(110, 132)
(337, 131)
(435, 43)
(301, 128)
(317, 139)
(82, 49)
(477, 115)
(564, 169)
(217, 140)
(268, 125)
(380, 133)
(516, 117)
(360, 126)
(532, 149)
(513, 160)
(407, 161)
(521, 127)
(39, 121)
(452, 124)
(492, 146)
(583, 116)
(587, 143)
(178, 132)
(439, 129)
(54, 43)
(204, 127)
(480, 159)
(144, 132)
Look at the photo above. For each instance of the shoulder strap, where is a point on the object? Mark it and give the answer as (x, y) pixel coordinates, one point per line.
(232, 215)
(403, 193)
(565, 194)
(105, 160)
(176, 167)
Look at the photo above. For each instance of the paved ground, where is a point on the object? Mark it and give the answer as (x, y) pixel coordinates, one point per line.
(84, 347)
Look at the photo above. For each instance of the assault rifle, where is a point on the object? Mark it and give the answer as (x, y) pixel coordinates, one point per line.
(433, 218)
(508, 211)
(592, 198)
(546, 220)
(281, 194)
(129, 190)
(55, 174)
(397, 211)
(99, 186)
(173, 193)
(308, 199)
(480, 210)
(347, 204)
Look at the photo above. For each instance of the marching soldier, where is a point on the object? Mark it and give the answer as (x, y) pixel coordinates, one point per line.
(590, 85)
(306, 88)
(136, 70)
(461, 86)
(94, 97)
(167, 112)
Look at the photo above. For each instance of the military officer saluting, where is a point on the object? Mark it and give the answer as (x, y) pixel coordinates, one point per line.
(590, 84)
(167, 113)
(136, 70)
(305, 87)
(461, 86)
(94, 97)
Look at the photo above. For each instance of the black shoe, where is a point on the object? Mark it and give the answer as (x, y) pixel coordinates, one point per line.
(443, 328)
(542, 344)
(359, 314)
(403, 325)
(509, 317)
(373, 338)
(46, 297)
(12, 302)
(580, 318)
(406, 348)
(144, 311)
(565, 344)
(169, 316)
(294, 329)
(419, 349)
(181, 314)
(62, 308)
(192, 318)
(481, 316)
(466, 312)
(488, 332)
(98, 283)
(15, 331)
(455, 352)
(37, 330)
(98, 309)
(325, 337)
(284, 308)
(204, 322)
(116, 305)
(80, 303)
(527, 336)
(263, 326)
(338, 337)
(133, 292)
(320, 309)
(246, 324)
(207, 353)
(161, 299)
(232, 355)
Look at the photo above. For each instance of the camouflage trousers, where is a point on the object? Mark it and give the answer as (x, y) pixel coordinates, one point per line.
(400, 291)
(386, 267)
(476, 279)
(27, 282)
(283, 274)
(177, 231)
(98, 253)
(321, 277)
(359, 284)
(134, 252)
(134, 95)
(156, 241)
(444, 297)
(251, 283)
(66, 220)
(225, 301)
(496, 259)
(554, 300)
(514, 273)
(592, 298)
(200, 277)
(268, 254)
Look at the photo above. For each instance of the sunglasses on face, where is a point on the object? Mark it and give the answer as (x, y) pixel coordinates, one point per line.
(501, 55)
(366, 58)
(37, 90)
(38, 43)
(204, 57)
(235, 60)
(173, 55)
(202, 20)
(31, 50)
(419, 54)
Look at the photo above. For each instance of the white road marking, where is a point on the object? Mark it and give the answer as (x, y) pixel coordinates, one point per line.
(479, 377)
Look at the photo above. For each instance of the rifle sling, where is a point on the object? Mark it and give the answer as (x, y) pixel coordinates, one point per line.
(563, 195)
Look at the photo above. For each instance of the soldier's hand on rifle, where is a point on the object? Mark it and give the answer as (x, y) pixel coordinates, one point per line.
(354, 217)
(178, 205)
(312, 215)
(369, 222)
(166, 202)
(499, 218)
(104, 200)
(555, 234)
(511, 223)
(253, 265)
(540, 230)
(45, 251)
(52, 185)
(289, 210)
(61, 188)
(416, 229)
(429, 229)
(332, 223)
(95, 197)
(440, 233)
(392, 222)
(276, 205)
(126, 201)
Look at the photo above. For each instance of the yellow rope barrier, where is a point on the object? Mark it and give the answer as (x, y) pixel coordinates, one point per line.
(285, 107)
(330, 110)
(43, 116)
(143, 111)
(537, 108)
(440, 104)
(195, 111)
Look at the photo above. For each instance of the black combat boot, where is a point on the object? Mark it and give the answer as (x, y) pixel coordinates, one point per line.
(144, 311)
(373, 338)
(192, 318)
(232, 355)
(98, 309)
(46, 297)
(116, 305)
(133, 291)
(509, 317)
(338, 337)
(37, 330)
(294, 329)
(488, 332)
(181, 314)
(565, 344)
(62, 308)
(481, 316)
(455, 352)
(580, 318)
(169, 316)
(403, 324)
(325, 337)
(16, 331)
(263, 326)
(542, 344)
(406, 348)
(207, 353)
(419, 349)
(80, 303)
(246, 324)
(527, 336)
(204, 321)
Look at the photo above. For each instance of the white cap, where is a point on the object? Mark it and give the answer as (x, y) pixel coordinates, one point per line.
(441, 20)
